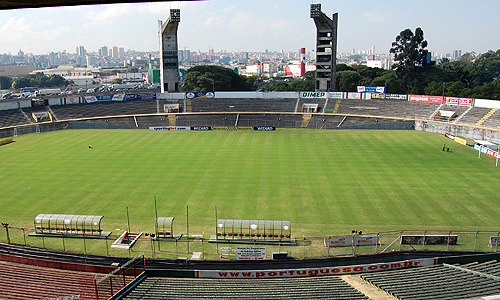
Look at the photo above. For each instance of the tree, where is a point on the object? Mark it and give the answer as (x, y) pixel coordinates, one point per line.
(215, 78)
(117, 81)
(348, 81)
(5, 82)
(410, 55)
(39, 80)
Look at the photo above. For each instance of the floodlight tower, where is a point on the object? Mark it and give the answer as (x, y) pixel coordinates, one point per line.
(326, 49)
(169, 63)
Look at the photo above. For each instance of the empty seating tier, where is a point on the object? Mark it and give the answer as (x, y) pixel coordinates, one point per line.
(326, 287)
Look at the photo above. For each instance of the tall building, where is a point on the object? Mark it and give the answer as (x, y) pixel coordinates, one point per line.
(169, 60)
(457, 54)
(80, 51)
(326, 49)
(103, 52)
(185, 56)
(53, 59)
(121, 52)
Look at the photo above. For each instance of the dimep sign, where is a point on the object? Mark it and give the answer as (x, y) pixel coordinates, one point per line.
(312, 94)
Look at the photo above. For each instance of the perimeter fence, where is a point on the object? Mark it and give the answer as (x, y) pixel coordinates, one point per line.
(202, 248)
(111, 283)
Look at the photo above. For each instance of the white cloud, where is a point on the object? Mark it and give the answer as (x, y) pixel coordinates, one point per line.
(29, 35)
(211, 22)
(381, 17)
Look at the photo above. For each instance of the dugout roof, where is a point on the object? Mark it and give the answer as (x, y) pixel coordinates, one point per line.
(61, 222)
(254, 226)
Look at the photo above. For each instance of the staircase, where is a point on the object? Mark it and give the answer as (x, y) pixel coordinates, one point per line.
(188, 105)
(305, 120)
(337, 104)
(486, 117)
(172, 119)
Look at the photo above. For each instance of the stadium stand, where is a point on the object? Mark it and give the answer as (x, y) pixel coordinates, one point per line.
(19, 281)
(473, 116)
(247, 105)
(327, 287)
(440, 281)
(12, 117)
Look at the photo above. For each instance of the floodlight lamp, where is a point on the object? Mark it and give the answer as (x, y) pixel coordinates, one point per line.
(66, 222)
(253, 227)
(220, 225)
(285, 227)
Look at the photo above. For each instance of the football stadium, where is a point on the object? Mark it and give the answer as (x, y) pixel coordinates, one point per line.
(140, 194)
(235, 195)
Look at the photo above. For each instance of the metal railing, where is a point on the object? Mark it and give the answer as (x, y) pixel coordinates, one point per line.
(204, 248)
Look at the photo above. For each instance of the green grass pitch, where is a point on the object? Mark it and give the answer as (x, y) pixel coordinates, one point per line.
(326, 182)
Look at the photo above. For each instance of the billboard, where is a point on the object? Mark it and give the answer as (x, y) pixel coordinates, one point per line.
(396, 97)
(371, 89)
(426, 99)
(347, 241)
(200, 95)
(104, 98)
(251, 253)
(428, 239)
(458, 101)
(486, 150)
(311, 272)
(264, 128)
(143, 96)
(170, 128)
(312, 94)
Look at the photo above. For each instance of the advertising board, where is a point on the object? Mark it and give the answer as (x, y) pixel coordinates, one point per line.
(104, 98)
(347, 241)
(169, 128)
(426, 99)
(311, 272)
(312, 94)
(142, 96)
(458, 101)
(201, 128)
(200, 95)
(378, 96)
(337, 95)
(396, 97)
(494, 241)
(251, 253)
(428, 239)
(264, 128)
(486, 150)
(371, 89)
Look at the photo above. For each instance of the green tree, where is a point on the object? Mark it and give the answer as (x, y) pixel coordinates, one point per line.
(348, 81)
(410, 55)
(5, 82)
(39, 80)
(117, 81)
(215, 78)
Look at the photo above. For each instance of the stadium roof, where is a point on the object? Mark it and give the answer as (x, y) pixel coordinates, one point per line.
(15, 4)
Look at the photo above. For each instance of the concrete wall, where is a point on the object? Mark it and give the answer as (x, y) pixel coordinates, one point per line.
(470, 132)
(15, 104)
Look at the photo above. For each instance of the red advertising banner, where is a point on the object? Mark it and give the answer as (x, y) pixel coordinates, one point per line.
(310, 272)
(426, 99)
(458, 101)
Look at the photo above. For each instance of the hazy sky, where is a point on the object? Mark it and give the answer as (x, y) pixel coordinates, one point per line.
(253, 25)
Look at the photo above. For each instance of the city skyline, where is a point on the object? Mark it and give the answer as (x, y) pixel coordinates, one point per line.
(272, 25)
